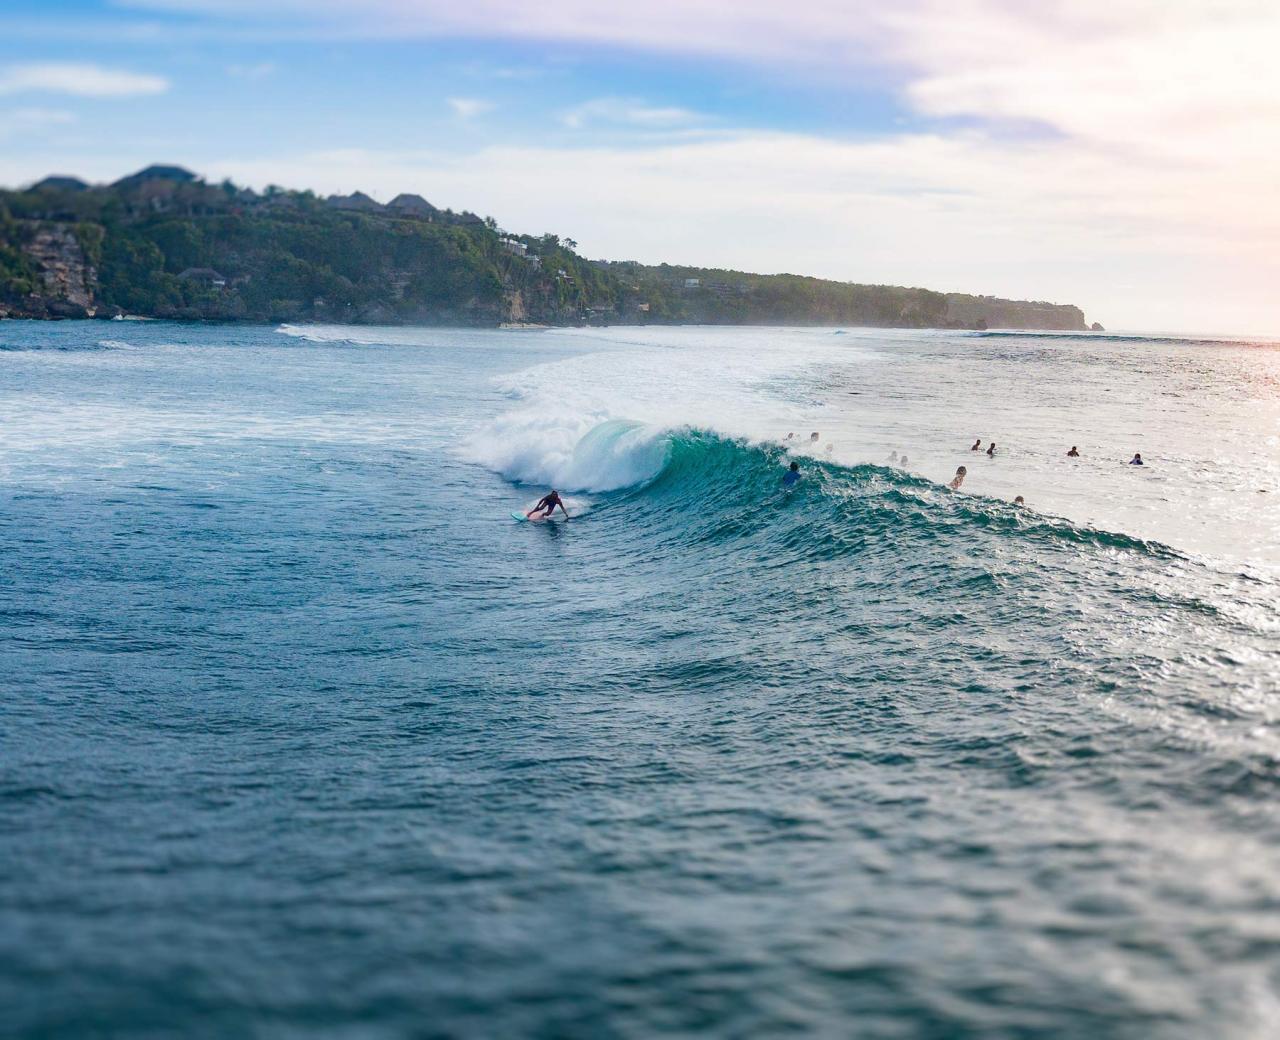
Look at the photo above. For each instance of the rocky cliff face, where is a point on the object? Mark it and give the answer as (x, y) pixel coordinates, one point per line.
(67, 279)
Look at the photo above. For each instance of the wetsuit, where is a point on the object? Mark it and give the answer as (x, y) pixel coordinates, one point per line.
(549, 503)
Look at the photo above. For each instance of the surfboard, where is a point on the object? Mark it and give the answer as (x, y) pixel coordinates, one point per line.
(520, 518)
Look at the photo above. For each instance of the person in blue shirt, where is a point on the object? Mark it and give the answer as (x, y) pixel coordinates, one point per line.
(792, 476)
(1137, 459)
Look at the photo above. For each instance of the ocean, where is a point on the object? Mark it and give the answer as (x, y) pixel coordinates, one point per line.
(302, 734)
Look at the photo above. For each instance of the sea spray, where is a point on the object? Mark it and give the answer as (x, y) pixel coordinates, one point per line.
(602, 420)
(606, 456)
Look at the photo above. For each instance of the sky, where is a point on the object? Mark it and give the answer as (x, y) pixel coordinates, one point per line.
(1122, 155)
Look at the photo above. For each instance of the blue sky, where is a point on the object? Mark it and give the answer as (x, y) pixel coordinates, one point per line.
(1052, 150)
(304, 86)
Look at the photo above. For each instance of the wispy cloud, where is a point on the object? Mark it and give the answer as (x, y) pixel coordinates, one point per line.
(629, 112)
(1153, 163)
(468, 107)
(487, 70)
(1193, 78)
(255, 71)
(1039, 220)
(33, 117)
(1141, 72)
(78, 79)
(32, 120)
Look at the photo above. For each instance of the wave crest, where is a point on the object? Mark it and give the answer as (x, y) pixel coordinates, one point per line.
(607, 456)
(718, 485)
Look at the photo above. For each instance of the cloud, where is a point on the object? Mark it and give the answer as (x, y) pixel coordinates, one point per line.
(26, 121)
(78, 79)
(1152, 163)
(1189, 79)
(953, 212)
(256, 71)
(481, 69)
(38, 117)
(1089, 65)
(469, 108)
(747, 27)
(1195, 80)
(628, 111)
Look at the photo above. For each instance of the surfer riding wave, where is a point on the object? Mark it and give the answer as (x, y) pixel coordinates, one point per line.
(547, 506)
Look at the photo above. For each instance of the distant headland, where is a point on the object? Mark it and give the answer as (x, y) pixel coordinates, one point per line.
(164, 243)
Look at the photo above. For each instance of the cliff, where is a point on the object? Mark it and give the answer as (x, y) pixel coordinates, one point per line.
(987, 312)
(163, 243)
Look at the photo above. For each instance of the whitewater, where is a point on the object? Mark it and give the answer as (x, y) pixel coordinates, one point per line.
(301, 732)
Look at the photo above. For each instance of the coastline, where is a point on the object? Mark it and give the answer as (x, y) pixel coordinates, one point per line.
(165, 244)
(508, 326)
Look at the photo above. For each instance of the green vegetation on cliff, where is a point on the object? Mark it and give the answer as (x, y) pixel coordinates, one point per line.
(163, 243)
(18, 274)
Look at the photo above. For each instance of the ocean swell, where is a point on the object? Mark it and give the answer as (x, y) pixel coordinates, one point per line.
(709, 485)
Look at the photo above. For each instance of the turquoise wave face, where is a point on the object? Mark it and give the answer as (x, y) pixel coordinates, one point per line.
(300, 731)
(703, 481)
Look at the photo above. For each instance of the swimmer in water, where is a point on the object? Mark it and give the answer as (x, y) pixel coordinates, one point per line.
(1019, 501)
(902, 461)
(991, 451)
(893, 456)
(958, 479)
(792, 476)
(830, 447)
(1137, 459)
(977, 445)
(546, 506)
(790, 436)
(1074, 453)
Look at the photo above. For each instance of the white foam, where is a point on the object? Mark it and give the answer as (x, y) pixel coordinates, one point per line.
(598, 421)
(575, 455)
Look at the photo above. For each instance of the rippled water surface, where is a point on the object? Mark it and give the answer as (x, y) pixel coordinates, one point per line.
(301, 734)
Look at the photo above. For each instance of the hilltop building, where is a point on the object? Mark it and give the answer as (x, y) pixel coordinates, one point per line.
(406, 205)
(60, 183)
(357, 201)
(171, 174)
